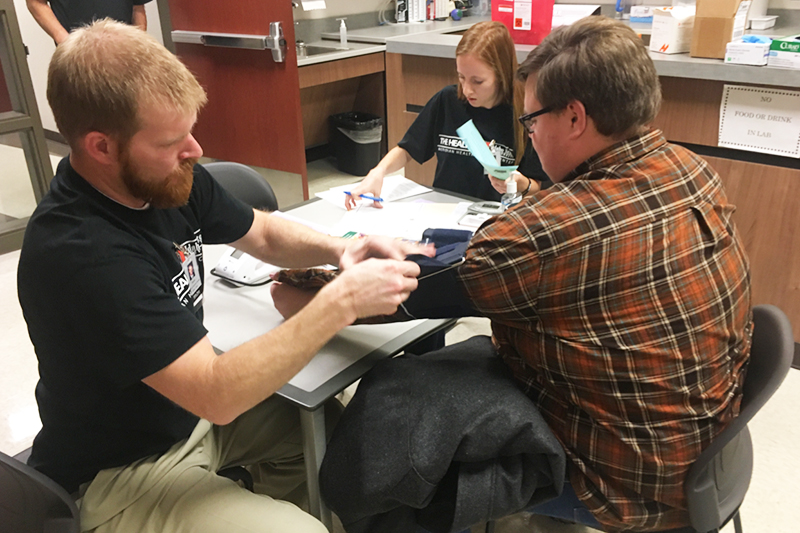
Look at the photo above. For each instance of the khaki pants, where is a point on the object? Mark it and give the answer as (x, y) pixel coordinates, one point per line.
(181, 491)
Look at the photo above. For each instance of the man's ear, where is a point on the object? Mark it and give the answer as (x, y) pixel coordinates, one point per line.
(579, 120)
(101, 148)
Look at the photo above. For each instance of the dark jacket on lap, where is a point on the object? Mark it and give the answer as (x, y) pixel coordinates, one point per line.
(444, 440)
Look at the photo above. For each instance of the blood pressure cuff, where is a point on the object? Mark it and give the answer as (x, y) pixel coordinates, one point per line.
(440, 293)
(451, 244)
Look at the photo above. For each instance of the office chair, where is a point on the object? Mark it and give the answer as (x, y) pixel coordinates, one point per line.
(31, 502)
(719, 478)
(244, 183)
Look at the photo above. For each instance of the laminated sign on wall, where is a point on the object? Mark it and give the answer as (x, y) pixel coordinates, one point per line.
(760, 120)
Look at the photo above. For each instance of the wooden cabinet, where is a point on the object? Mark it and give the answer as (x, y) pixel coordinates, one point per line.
(410, 82)
(353, 84)
(766, 206)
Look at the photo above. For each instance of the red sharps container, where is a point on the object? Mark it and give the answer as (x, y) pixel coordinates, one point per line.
(528, 21)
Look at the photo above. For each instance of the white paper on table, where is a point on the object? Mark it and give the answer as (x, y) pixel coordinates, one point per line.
(395, 187)
(406, 220)
(478, 148)
(474, 221)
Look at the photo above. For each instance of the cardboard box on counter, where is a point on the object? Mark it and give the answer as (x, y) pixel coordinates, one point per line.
(672, 29)
(785, 52)
(741, 53)
(716, 23)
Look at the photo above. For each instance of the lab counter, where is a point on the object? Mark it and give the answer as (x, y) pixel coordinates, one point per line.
(354, 49)
(436, 39)
(382, 34)
(441, 45)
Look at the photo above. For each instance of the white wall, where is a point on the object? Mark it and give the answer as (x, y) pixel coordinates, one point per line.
(337, 8)
(41, 47)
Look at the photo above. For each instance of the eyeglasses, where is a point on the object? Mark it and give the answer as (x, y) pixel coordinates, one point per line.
(527, 120)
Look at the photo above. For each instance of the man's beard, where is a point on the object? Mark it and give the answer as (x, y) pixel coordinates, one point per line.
(172, 191)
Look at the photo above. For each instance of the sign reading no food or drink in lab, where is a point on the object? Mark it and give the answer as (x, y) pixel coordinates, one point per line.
(760, 120)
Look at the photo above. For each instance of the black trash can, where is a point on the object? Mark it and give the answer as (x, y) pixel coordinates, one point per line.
(356, 139)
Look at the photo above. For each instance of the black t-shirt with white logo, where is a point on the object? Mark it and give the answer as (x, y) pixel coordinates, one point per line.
(112, 295)
(74, 13)
(434, 133)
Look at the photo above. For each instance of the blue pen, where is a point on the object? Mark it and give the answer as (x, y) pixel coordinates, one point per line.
(365, 196)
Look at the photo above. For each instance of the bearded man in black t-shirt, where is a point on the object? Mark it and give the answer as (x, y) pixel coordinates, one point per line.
(138, 411)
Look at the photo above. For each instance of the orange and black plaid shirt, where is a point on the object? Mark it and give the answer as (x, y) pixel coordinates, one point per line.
(621, 300)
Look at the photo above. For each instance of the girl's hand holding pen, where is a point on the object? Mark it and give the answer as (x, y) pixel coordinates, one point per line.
(365, 196)
(369, 189)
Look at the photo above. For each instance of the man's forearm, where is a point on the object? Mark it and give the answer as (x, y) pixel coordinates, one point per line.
(45, 17)
(289, 244)
(139, 18)
(260, 367)
(220, 388)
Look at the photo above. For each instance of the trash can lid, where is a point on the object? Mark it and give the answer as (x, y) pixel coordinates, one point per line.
(356, 120)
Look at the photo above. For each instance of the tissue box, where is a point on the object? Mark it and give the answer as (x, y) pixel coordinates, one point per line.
(717, 23)
(785, 52)
(672, 29)
(740, 53)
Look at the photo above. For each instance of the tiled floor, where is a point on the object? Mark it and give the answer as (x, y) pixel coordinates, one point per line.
(768, 508)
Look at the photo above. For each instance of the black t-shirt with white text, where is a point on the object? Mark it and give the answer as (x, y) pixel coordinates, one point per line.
(112, 295)
(434, 133)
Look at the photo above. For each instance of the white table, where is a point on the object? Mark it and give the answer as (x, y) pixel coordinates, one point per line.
(235, 314)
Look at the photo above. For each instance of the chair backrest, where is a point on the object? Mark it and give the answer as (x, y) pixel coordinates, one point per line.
(31, 502)
(244, 183)
(719, 478)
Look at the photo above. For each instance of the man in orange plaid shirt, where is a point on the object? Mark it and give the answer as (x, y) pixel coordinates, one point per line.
(620, 297)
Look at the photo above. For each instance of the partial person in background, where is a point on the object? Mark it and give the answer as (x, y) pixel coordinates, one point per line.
(59, 17)
(488, 94)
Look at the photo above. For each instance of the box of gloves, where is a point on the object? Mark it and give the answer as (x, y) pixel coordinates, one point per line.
(748, 51)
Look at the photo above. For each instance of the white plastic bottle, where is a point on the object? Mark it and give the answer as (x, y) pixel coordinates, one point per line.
(511, 196)
(342, 34)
